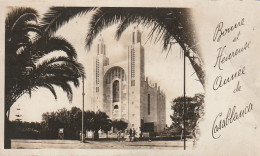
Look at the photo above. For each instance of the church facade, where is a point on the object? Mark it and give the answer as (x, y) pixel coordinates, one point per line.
(122, 91)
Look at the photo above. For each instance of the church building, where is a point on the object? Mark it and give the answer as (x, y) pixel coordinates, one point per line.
(122, 91)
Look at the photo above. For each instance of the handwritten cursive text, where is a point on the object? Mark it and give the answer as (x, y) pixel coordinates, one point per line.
(232, 115)
(219, 32)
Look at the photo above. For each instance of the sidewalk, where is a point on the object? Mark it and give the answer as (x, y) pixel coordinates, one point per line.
(75, 144)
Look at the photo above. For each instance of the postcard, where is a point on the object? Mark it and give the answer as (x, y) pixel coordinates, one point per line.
(130, 78)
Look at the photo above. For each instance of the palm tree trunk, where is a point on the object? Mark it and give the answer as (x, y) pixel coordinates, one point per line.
(7, 136)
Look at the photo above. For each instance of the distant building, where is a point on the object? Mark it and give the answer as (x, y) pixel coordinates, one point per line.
(121, 90)
(18, 115)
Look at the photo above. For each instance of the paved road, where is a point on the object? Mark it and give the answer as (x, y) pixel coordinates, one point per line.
(74, 144)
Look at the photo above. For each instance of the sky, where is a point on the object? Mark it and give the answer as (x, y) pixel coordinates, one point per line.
(167, 71)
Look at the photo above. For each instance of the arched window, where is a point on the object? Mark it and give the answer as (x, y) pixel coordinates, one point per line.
(116, 91)
(116, 107)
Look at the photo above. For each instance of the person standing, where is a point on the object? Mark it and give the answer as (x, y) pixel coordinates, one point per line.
(134, 133)
(118, 135)
(141, 135)
(130, 134)
(80, 135)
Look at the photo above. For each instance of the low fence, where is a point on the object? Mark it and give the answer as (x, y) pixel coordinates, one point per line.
(145, 136)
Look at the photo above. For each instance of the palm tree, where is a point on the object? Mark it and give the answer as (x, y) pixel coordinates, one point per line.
(168, 25)
(27, 48)
(30, 60)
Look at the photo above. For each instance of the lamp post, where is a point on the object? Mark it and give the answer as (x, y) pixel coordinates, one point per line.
(82, 130)
(170, 17)
(184, 96)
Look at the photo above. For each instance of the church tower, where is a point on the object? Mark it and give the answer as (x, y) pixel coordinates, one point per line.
(136, 78)
(121, 90)
(100, 60)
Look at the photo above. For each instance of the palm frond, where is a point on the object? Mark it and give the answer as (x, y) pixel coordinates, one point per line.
(18, 16)
(59, 68)
(51, 88)
(167, 41)
(58, 43)
(104, 17)
(60, 83)
(55, 17)
(122, 27)
(61, 73)
(77, 67)
(66, 88)
(173, 24)
(24, 49)
(30, 27)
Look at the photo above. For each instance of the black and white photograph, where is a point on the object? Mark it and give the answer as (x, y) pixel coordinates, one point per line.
(97, 79)
(112, 64)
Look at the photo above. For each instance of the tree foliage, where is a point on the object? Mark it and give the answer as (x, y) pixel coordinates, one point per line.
(71, 121)
(30, 60)
(119, 125)
(167, 25)
(194, 113)
(25, 130)
(100, 121)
